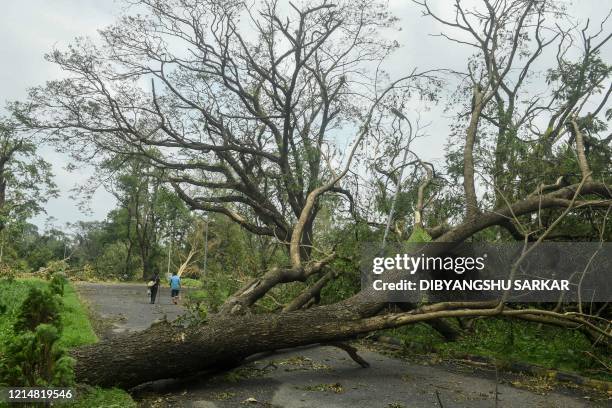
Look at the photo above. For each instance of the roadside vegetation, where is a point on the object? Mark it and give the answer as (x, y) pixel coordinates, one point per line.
(506, 342)
(41, 321)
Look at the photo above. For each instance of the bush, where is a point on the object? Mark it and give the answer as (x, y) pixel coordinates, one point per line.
(196, 304)
(75, 331)
(58, 282)
(34, 359)
(39, 307)
(33, 356)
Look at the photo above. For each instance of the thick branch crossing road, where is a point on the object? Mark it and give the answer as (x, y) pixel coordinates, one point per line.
(313, 377)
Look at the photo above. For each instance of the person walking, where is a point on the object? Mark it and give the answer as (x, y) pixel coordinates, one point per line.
(175, 287)
(153, 285)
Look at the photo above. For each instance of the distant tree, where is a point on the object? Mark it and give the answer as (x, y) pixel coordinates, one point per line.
(25, 178)
(26, 182)
(48, 246)
(148, 210)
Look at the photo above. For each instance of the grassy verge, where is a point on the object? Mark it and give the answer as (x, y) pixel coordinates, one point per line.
(77, 328)
(510, 341)
(77, 331)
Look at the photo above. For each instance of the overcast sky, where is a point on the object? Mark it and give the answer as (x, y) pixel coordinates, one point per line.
(30, 28)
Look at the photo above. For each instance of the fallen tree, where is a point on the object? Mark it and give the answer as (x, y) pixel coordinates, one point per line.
(167, 351)
(243, 124)
(227, 339)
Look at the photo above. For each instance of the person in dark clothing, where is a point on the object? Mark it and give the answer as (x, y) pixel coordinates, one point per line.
(155, 286)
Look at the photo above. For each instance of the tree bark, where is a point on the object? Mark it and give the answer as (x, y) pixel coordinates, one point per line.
(471, 201)
(583, 163)
(166, 351)
(2, 197)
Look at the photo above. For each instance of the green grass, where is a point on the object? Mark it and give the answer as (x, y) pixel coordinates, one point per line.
(77, 328)
(77, 331)
(513, 341)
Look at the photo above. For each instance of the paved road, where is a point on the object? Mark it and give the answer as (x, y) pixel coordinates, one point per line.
(126, 305)
(318, 377)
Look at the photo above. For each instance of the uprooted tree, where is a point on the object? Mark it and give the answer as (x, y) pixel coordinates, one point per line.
(262, 113)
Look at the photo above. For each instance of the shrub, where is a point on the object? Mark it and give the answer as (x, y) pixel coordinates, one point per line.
(32, 354)
(39, 307)
(34, 359)
(196, 304)
(58, 282)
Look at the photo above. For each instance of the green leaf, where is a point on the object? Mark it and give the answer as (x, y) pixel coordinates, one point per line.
(419, 235)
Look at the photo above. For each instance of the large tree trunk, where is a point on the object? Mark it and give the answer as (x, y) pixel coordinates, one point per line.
(167, 351)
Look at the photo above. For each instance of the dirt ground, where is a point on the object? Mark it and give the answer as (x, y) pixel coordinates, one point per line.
(319, 377)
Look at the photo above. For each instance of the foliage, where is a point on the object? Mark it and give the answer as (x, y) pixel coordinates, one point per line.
(509, 341)
(147, 210)
(215, 289)
(33, 358)
(111, 264)
(7, 273)
(39, 307)
(419, 235)
(190, 283)
(352, 240)
(33, 354)
(250, 130)
(25, 178)
(56, 266)
(196, 303)
(58, 283)
(33, 346)
(28, 249)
